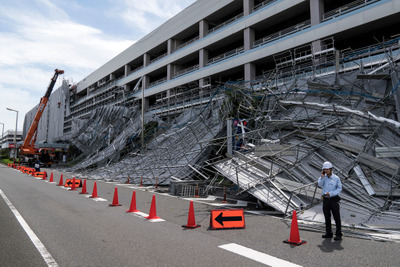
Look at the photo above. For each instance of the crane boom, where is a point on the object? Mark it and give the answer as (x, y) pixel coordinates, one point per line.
(28, 147)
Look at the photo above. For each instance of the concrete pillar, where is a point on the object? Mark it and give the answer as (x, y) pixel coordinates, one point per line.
(172, 45)
(316, 46)
(203, 28)
(202, 82)
(316, 11)
(203, 57)
(127, 69)
(145, 82)
(146, 104)
(248, 6)
(170, 71)
(112, 76)
(249, 38)
(146, 60)
(249, 71)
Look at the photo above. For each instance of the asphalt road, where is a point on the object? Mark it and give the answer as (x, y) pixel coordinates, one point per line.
(78, 231)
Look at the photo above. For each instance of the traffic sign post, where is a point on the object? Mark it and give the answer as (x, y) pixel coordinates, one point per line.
(227, 219)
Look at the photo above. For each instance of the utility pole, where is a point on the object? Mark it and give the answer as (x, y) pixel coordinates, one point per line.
(2, 137)
(142, 137)
(15, 133)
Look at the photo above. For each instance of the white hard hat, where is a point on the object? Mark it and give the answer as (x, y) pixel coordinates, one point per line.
(327, 165)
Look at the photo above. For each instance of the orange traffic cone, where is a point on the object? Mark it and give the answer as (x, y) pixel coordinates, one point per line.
(196, 194)
(294, 232)
(153, 212)
(51, 178)
(44, 175)
(115, 199)
(94, 193)
(73, 186)
(191, 222)
(133, 204)
(84, 188)
(224, 201)
(61, 182)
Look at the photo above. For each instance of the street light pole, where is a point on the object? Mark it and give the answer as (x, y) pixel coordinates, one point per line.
(2, 136)
(15, 133)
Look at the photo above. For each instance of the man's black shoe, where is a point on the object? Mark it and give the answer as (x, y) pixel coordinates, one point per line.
(338, 237)
(327, 236)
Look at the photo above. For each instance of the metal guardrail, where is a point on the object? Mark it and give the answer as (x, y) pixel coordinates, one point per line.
(158, 58)
(138, 68)
(226, 55)
(190, 190)
(347, 9)
(285, 32)
(229, 21)
(313, 185)
(188, 42)
(188, 70)
(160, 81)
(263, 4)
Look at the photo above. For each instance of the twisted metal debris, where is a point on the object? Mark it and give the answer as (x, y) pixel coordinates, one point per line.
(338, 107)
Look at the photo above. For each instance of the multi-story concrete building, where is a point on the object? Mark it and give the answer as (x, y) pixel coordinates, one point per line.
(50, 127)
(212, 42)
(7, 141)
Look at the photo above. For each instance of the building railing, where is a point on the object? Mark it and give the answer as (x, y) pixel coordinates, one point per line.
(160, 81)
(99, 90)
(229, 21)
(138, 68)
(277, 35)
(188, 43)
(263, 4)
(226, 55)
(187, 70)
(347, 9)
(348, 63)
(158, 58)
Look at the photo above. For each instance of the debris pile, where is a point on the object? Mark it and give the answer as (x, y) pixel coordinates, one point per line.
(270, 136)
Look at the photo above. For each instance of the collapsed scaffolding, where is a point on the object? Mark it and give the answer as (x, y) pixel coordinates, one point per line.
(270, 136)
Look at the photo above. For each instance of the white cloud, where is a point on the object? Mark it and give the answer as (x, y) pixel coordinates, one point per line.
(35, 44)
(38, 36)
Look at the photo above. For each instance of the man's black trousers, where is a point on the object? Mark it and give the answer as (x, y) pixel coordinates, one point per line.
(331, 205)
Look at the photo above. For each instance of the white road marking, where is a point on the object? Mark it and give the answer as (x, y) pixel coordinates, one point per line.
(157, 220)
(144, 215)
(35, 240)
(256, 256)
(98, 199)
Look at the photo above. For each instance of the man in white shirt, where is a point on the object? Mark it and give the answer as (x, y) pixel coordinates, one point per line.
(331, 188)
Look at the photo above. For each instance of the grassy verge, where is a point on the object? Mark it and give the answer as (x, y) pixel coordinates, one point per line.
(6, 161)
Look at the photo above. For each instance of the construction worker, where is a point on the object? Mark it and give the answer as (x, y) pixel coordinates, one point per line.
(37, 165)
(331, 188)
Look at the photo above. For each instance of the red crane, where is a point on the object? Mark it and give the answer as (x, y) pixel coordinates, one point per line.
(28, 147)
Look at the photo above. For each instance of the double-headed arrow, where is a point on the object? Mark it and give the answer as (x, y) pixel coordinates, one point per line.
(221, 219)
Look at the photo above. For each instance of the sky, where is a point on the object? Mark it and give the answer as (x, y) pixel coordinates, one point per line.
(77, 36)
